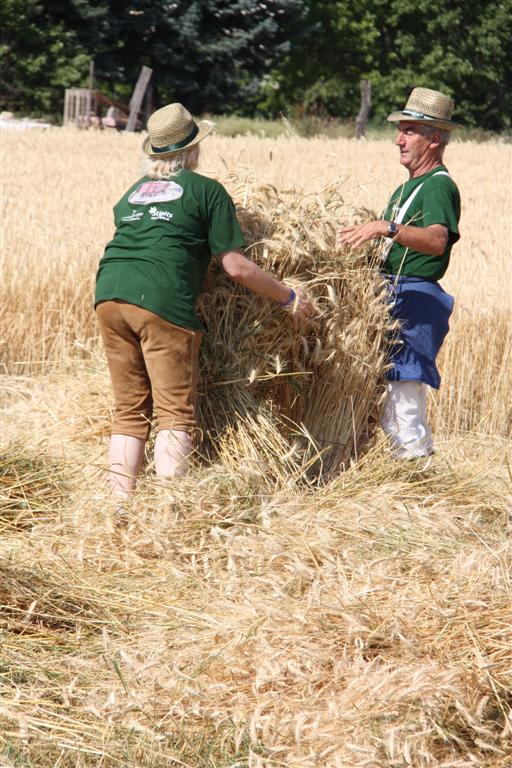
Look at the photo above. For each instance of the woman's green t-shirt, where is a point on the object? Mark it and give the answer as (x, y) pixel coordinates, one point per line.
(166, 233)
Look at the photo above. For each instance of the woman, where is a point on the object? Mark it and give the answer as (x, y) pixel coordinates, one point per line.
(168, 226)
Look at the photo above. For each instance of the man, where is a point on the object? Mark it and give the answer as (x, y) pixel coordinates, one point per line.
(420, 226)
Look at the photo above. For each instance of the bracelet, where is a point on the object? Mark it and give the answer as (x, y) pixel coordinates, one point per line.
(293, 296)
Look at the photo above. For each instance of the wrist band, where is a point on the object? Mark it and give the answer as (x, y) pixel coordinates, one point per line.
(293, 296)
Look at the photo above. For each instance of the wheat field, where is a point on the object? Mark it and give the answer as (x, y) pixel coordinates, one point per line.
(245, 616)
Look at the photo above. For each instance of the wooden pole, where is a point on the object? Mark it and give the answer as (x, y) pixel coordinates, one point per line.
(147, 106)
(66, 107)
(364, 109)
(138, 95)
(90, 93)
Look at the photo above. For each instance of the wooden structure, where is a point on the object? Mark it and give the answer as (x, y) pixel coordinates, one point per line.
(84, 107)
(138, 97)
(364, 110)
(79, 105)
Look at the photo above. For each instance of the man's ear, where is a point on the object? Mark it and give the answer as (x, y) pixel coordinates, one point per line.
(436, 138)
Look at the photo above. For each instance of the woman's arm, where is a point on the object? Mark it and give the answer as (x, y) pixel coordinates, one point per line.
(247, 273)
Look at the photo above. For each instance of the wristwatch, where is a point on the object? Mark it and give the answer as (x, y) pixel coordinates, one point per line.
(392, 229)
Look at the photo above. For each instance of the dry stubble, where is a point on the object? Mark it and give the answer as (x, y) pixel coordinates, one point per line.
(236, 620)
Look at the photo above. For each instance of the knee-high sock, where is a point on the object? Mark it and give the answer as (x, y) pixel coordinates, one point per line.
(125, 456)
(172, 450)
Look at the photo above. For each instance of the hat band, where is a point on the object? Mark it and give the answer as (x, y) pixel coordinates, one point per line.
(179, 144)
(412, 113)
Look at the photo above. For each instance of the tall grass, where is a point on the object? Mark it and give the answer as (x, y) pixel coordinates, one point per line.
(57, 218)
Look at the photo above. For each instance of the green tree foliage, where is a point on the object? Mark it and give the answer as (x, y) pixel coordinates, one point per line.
(323, 69)
(41, 55)
(209, 54)
(463, 47)
(263, 56)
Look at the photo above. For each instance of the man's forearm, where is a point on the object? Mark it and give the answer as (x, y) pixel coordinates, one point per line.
(432, 239)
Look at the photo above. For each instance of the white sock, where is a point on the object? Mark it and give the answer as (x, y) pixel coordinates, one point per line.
(125, 456)
(404, 419)
(172, 450)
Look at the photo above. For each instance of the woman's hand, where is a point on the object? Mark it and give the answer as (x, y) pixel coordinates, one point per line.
(246, 272)
(301, 307)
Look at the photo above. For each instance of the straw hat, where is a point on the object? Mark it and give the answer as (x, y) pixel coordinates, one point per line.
(426, 106)
(172, 129)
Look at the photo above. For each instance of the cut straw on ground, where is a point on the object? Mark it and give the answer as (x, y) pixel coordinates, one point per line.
(300, 600)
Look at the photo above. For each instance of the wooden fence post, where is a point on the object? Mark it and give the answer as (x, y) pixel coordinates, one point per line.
(364, 109)
(147, 105)
(137, 97)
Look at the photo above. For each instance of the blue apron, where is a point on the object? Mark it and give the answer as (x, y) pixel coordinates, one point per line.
(423, 310)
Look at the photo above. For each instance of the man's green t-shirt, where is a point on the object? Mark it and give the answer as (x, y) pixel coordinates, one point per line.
(436, 202)
(166, 233)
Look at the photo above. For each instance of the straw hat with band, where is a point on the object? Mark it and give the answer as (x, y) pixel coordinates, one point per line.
(172, 129)
(428, 107)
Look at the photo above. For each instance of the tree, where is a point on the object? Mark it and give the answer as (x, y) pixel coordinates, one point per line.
(38, 58)
(210, 54)
(463, 47)
(323, 69)
(263, 55)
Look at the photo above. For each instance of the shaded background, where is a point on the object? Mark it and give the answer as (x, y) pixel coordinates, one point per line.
(298, 57)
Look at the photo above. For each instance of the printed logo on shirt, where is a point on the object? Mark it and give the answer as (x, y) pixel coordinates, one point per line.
(155, 192)
(134, 216)
(159, 215)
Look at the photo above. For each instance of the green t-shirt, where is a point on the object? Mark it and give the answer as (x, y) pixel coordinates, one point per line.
(436, 202)
(166, 233)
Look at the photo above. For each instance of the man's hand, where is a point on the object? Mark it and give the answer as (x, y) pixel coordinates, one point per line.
(432, 239)
(358, 234)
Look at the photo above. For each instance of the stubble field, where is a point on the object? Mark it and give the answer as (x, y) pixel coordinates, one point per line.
(246, 616)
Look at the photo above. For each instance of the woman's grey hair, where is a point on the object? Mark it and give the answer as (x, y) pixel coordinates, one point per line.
(164, 169)
(429, 130)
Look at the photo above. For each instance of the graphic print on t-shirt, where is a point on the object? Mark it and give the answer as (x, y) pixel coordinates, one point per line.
(157, 215)
(134, 216)
(155, 192)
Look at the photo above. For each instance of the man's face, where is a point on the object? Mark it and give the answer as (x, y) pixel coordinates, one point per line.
(415, 149)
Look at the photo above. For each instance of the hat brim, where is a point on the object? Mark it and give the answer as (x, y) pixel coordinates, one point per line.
(444, 125)
(204, 130)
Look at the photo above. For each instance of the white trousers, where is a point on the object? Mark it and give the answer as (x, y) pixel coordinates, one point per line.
(404, 419)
